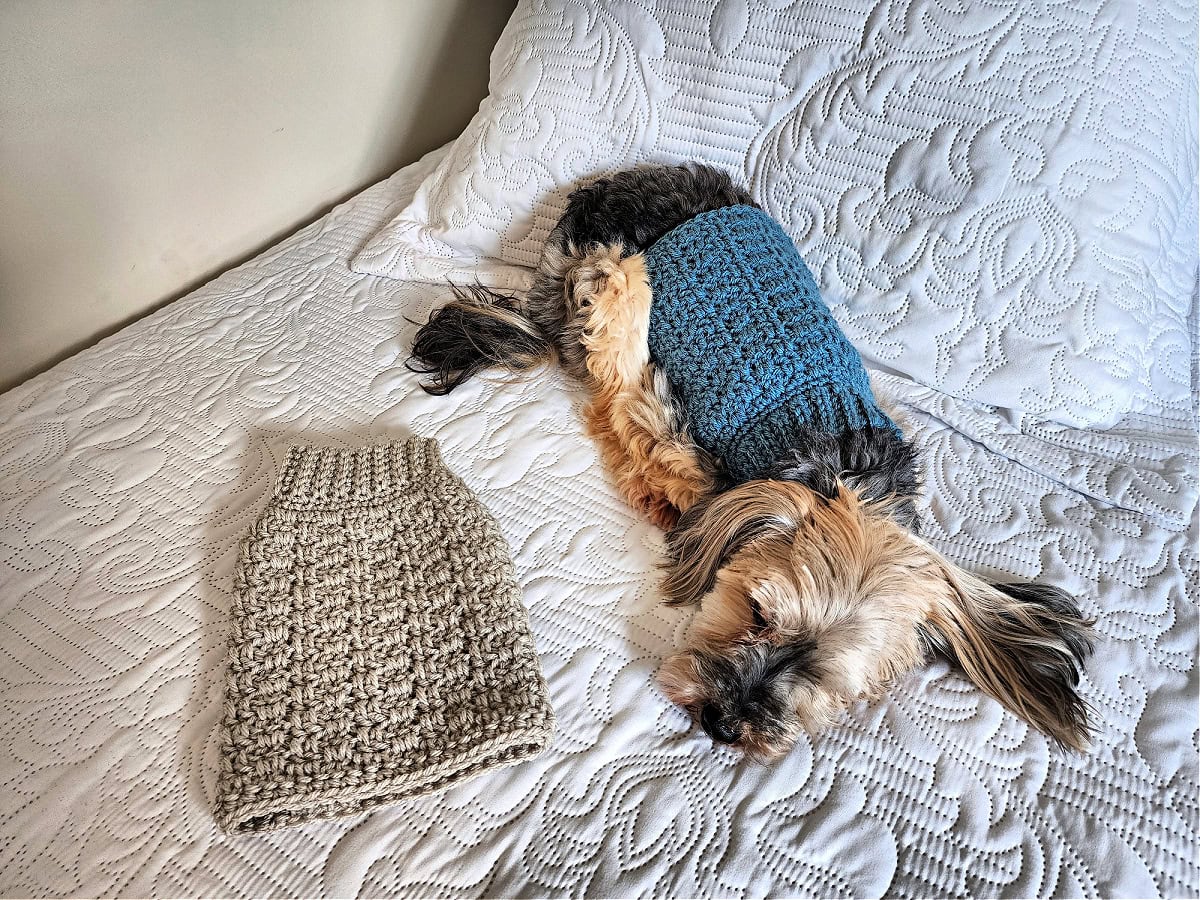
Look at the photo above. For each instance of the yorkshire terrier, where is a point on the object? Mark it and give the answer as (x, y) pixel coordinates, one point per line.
(731, 408)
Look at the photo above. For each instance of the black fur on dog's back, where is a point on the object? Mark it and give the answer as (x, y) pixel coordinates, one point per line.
(636, 207)
(482, 329)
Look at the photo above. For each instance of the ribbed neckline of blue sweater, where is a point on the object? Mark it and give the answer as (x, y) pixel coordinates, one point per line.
(750, 348)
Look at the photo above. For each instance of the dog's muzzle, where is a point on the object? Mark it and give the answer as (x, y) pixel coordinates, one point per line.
(718, 727)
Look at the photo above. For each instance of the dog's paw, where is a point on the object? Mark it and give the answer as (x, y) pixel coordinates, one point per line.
(662, 513)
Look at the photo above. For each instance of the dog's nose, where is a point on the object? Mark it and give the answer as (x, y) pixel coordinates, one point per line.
(718, 728)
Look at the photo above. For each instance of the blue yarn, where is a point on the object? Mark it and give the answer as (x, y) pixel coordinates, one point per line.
(750, 348)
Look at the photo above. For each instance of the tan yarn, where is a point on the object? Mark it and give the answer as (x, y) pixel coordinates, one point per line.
(379, 648)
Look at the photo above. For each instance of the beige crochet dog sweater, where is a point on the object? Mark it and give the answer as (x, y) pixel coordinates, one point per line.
(379, 648)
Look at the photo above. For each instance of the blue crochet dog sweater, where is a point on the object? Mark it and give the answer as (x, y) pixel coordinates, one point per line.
(751, 350)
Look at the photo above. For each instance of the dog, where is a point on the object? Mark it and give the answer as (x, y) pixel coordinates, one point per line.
(815, 588)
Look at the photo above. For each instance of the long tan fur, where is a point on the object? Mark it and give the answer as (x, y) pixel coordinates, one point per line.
(657, 468)
(1025, 655)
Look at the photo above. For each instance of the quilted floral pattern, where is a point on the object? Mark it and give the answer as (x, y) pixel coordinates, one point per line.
(982, 190)
(129, 473)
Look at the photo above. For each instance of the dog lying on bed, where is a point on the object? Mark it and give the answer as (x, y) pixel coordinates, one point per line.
(733, 410)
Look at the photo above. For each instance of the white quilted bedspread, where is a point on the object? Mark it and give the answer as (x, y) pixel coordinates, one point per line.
(129, 473)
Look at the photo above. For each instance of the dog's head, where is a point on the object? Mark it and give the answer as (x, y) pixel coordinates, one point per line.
(814, 596)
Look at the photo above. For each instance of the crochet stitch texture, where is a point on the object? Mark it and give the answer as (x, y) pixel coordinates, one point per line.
(750, 348)
(379, 648)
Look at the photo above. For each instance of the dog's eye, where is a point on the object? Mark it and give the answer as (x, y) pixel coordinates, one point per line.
(760, 621)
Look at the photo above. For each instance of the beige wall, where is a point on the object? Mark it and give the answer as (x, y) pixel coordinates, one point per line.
(147, 146)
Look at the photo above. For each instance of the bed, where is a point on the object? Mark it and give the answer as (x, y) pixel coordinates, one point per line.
(129, 473)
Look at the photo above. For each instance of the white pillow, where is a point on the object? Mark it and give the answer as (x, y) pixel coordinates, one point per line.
(999, 203)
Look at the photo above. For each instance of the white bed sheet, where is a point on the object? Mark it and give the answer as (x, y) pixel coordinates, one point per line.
(129, 473)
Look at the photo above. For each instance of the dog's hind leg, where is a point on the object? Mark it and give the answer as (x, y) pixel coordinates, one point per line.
(632, 414)
(656, 464)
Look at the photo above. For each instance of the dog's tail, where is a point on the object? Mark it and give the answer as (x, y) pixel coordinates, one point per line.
(479, 329)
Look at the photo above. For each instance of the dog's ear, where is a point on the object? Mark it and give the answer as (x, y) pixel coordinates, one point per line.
(1023, 644)
(714, 529)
